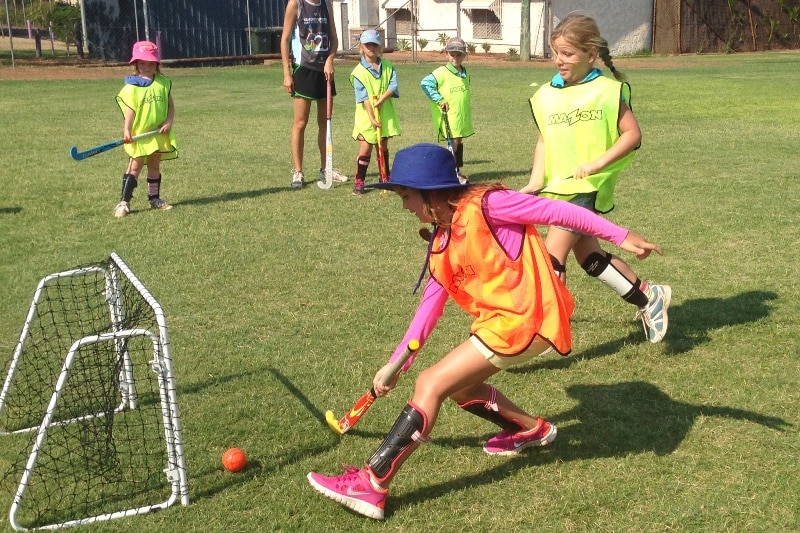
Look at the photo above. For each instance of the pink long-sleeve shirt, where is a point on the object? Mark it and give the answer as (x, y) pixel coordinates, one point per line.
(507, 213)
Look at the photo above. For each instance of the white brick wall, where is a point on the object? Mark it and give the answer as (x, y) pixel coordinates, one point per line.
(626, 24)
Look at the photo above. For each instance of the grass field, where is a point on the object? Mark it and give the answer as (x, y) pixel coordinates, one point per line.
(282, 304)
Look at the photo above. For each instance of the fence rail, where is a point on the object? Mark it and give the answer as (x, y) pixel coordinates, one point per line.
(183, 28)
(191, 29)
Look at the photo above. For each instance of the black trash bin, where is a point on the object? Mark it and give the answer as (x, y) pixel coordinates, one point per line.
(265, 40)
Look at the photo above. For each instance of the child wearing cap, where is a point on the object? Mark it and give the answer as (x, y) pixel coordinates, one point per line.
(374, 81)
(448, 89)
(146, 104)
(486, 254)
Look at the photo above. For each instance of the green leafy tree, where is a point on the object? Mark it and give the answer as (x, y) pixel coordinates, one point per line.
(41, 13)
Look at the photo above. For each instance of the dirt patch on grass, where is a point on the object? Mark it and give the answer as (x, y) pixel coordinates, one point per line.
(62, 68)
(502, 60)
(47, 67)
(59, 71)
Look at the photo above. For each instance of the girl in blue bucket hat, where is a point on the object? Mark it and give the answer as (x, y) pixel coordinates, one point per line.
(486, 254)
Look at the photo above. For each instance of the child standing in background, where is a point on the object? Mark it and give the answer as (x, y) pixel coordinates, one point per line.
(308, 46)
(146, 103)
(374, 81)
(447, 87)
(587, 135)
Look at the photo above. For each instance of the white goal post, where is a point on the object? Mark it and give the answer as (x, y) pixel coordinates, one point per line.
(90, 386)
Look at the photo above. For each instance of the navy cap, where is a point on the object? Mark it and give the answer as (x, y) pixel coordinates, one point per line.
(424, 167)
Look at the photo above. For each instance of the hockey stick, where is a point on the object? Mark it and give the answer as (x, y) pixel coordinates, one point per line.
(342, 425)
(381, 162)
(328, 182)
(448, 133)
(80, 156)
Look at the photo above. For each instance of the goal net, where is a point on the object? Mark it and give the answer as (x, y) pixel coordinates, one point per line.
(89, 399)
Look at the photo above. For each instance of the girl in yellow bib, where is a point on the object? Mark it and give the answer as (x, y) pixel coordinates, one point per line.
(374, 81)
(448, 89)
(587, 135)
(485, 253)
(146, 105)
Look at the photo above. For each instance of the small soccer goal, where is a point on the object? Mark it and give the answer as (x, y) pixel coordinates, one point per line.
(89, 399)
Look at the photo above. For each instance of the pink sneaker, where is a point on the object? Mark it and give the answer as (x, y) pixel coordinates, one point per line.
(353, 490)
(505, 443)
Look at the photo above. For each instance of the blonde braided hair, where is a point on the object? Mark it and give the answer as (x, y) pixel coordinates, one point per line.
(582, 32)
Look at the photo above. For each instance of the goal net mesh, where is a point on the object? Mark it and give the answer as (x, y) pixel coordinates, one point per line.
(89, 400)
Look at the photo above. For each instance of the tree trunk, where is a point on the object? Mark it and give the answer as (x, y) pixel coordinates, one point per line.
(525, 31)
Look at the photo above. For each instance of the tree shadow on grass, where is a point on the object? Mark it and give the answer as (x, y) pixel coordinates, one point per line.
(10, 210)
(690, 325)
(231, 196)
(616, 420)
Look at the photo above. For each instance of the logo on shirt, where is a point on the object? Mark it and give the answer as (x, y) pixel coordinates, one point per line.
(460, 277)
(573, 117)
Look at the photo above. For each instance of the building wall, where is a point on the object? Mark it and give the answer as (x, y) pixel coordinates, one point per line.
(626, 24)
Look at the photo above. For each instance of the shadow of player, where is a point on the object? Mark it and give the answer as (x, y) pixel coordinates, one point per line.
(636, 417)
(690, 325)
(616, 420)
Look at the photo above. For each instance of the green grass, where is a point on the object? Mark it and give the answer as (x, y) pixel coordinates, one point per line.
(282, 304)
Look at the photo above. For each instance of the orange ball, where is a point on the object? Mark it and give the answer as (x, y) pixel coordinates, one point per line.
(234, 460)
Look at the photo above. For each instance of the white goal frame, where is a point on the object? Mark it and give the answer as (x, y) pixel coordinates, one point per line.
(161, 365)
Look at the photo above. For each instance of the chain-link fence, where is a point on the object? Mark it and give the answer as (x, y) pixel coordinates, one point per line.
(210, 29)
(225, 28)
(183, 28)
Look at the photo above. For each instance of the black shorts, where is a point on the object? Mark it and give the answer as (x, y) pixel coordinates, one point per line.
(585, 200)
(310, 84)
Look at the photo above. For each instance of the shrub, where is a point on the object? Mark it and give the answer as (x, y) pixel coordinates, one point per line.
(64, 17)
(41, 13)
(512, 54)
(442, 39)
(403, 45)
(422, 43)
(486, 47)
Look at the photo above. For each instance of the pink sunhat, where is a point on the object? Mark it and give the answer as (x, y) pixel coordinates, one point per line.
(144, 51)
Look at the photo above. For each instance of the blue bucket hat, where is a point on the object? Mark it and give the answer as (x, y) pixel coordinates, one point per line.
(424, 167)
(371, 36)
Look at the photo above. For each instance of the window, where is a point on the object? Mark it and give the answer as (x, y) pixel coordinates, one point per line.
(402, 20)
(485, 24)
